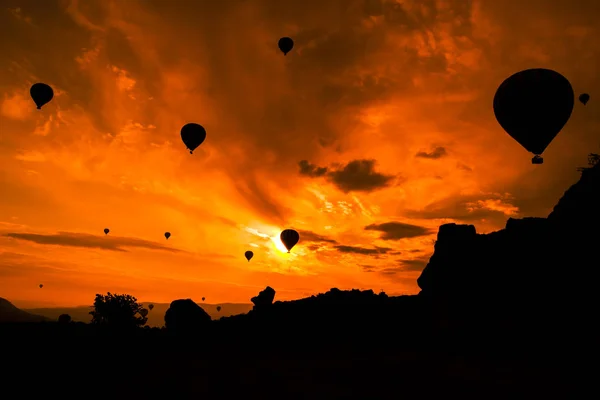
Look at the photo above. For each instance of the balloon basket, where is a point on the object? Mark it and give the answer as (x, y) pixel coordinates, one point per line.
(537, 160)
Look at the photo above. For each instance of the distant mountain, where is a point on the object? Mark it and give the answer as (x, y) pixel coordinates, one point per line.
(10, 313)
(155, 317)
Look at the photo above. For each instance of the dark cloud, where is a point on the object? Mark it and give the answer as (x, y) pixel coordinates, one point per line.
(461, 208)
(413, 265)
(376, 251)
(434, 154)
(308, 236)
(113, 243)
(357, 175)
(367, 268)
(311, 170)
(398, 230)
(464, 167)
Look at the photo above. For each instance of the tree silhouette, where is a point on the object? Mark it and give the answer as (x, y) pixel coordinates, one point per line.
(64, 318)
(593, 159)
(117, 311)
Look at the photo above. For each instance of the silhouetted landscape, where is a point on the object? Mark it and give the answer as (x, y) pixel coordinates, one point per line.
(506, 314)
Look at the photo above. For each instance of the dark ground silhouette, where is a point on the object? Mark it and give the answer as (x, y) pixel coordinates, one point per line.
(510, 314)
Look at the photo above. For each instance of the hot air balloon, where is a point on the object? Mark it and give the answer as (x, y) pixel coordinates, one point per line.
(106, 230)
(218, 308)
(41, 94)
(143, 312)
(286, 45)
(532, 106)
(150, 307)
(289, 238)
(584, 98)
(193, 135)
(167, 235)
(41, 286)
(203, 298)
(249, 255)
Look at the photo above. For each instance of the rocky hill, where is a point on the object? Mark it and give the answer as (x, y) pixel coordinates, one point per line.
(10, 313)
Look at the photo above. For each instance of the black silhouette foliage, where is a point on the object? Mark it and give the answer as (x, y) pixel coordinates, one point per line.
(593, 159)
(117, 311)
(64, 319)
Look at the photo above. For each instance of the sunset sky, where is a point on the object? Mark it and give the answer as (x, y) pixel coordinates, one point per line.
(374, 130)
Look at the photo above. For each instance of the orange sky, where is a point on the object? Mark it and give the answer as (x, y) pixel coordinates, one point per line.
(396, 107)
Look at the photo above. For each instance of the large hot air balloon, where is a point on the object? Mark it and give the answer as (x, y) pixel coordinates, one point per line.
(192, 136)
(218, 308)
(150, 307)
(289, 238)
(41, 285)
(204, 298)
(533, 106)
(106, 230)
(41, 94)
(143, 312)
(584, 98)
(286, 45)
(167, 235)
(249, 255)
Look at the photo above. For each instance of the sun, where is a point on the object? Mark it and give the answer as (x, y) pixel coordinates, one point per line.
(278, 244)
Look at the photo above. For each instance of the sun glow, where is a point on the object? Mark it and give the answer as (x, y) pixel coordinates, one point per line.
(278, 244)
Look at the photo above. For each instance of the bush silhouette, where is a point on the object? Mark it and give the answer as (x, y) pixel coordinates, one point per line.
(117, 311)
(64, 319)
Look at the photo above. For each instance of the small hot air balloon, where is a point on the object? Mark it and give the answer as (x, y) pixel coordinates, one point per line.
(143, 312)
(286, 45)
(41, 285)
(533, 106)
(150, 307)
(218, 308)
(584, 98)
(289, 238)
(106, 230)
(41, 94)
(193, 135)
(249, 255)
(203, 298)
(167, 235)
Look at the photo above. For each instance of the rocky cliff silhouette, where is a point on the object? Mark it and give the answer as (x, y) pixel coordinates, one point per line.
(10, 313)
(535, 272)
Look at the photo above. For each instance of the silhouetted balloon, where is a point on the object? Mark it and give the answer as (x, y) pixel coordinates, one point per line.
(41, 94)
(41, 286)
(193, 135)
(289, 238)
(533, 106)
(106, 230)
(584, 98)
(249, 255)
(203, 298)
(218, 308)
(167, 235)
(286, 45)
(143, 312)
(150, 306)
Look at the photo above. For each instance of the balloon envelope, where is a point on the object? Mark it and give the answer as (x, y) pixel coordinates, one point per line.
(41, 286)
(533, 105)
(249, 255)
(584, 98)
(150, 306)
(193, 135)
(106, 230)
(41, 94)
(167, 235)
(143, 312)
(203, 298)
(289, 238)
(285, 44)
(218, 308)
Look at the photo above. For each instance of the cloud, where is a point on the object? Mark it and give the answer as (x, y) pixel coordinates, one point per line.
(468, 208)
(376, 251)
(308, 236)
(356, 176)
(398, 230)
(70, 239)
(414, 265)
(434, 154)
